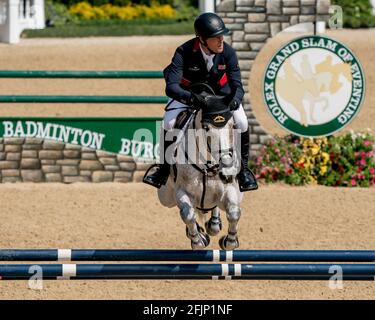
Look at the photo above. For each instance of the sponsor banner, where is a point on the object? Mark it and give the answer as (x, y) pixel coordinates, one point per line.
(313, 86)
(136, 137)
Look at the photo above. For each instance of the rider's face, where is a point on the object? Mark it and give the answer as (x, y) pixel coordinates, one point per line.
(216, 44)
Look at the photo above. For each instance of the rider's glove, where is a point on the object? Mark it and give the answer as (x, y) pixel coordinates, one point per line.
(198, 101)
(233, 105)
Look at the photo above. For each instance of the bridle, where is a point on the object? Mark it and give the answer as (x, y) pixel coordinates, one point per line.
(208, 169)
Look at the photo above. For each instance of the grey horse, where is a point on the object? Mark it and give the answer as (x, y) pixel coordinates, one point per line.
(203, 178)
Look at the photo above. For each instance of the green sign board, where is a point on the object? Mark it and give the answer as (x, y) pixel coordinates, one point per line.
(137, 137)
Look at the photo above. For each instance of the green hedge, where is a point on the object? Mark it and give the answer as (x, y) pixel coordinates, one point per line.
(357, 13)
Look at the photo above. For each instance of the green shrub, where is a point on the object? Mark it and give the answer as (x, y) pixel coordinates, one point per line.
(357, 13)
(57, 14)
(185, 10)
(347, 160)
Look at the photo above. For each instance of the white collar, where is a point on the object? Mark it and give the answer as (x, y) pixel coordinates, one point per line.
(207, 57)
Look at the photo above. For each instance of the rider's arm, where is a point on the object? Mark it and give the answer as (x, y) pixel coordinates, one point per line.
(234, 75)
(173, 75)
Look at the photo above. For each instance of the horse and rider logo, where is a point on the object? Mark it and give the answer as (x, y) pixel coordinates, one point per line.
(313, 86)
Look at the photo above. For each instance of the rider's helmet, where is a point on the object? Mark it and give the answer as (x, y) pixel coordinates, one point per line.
(209, 25)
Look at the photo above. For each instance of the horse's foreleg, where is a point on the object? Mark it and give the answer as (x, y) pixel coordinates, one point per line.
(194, 232)
(230, 241)
(233, 212)
(214, 225)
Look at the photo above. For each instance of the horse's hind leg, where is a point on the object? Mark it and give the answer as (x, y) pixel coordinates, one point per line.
(214, 225)
(194, 232)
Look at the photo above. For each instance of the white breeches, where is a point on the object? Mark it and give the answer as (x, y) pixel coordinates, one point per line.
(175, 107)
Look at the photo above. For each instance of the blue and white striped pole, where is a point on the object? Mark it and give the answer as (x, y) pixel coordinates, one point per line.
(215, 271)
(187, 255)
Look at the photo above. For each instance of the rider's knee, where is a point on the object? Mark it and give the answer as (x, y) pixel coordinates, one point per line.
(168, 124)
(242, 125)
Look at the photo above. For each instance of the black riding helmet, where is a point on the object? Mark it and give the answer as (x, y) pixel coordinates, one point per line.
(209, 25)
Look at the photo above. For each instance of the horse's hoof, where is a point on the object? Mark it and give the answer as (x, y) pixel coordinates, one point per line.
(228, 244)
(202, 242)
(213, 226)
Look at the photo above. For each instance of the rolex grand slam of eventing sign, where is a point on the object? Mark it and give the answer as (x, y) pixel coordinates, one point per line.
(313, 86)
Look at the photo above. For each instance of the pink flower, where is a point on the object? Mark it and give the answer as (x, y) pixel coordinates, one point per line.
(361, 176)
(353, 182)
(363, 154)
(362, 162)
(369, 154)
(366, 142)
(372, 170)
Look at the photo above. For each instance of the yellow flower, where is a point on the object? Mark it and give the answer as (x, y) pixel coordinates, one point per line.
(315, 150)
(301, 160)
(325, 157)
(108, 11)
(311, 180)
(307, 142)
(323, 170)
(127, 13)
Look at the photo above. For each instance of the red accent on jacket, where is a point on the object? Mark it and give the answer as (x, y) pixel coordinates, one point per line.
(196, 45)
(185, 82)
(224, 80)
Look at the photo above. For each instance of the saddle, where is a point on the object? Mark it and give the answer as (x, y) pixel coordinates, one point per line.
(216, 112)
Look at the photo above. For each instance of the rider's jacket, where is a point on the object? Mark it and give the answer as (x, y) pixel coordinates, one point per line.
(188, 67)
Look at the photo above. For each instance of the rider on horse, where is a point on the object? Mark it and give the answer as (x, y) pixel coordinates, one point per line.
(205, 59)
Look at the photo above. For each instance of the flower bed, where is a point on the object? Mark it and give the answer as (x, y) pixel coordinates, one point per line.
(346, 160)
(85, 11)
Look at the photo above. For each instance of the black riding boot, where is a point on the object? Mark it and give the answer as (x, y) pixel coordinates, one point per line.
(246, 179)
(160, 176)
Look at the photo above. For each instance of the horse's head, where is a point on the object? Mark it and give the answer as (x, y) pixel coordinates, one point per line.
(216, 135)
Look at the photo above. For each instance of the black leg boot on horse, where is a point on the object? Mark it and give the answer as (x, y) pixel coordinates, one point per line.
(246, 178)
(160, 176)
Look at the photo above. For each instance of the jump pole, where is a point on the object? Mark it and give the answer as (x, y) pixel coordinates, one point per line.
(67, 271)
(187, 255)
(244, 278)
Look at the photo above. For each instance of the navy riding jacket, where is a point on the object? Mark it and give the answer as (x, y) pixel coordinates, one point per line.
(188, 67)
